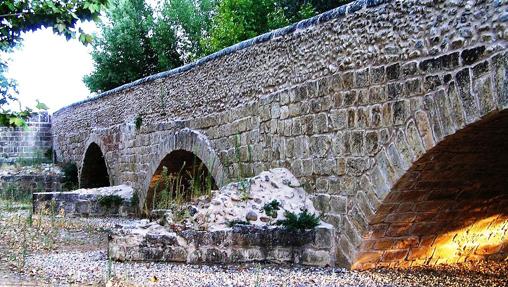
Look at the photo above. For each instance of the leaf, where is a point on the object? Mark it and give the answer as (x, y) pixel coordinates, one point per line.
(16, 121)
(41, 106)
(60, 27)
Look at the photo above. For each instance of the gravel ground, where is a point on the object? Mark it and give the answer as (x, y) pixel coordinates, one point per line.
(78, 258)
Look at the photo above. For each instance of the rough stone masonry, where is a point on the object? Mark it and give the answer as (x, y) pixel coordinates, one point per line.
(368, 105)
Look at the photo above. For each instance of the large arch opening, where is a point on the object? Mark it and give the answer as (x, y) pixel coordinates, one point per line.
(450, 207)
(94, 172)
(180, 177)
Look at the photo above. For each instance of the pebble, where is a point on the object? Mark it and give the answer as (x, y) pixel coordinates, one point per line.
(92, 268)
(251, 216)
(72, 265)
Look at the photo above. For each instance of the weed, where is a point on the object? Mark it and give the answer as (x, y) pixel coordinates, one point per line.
(302, 221)
(48, 154)
(172, 189)
(135, 200)
(109, 269)
(271, 208)
(258, 278)
(181, 214)
(11, 194)
(190, 182)
(70, 178)
(138, 122)
(109, 201)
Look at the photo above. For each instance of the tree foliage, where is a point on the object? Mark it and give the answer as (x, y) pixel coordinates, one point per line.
(18, 16)
(238, 20)
(123, 52)
(191, 20)
(132, 44)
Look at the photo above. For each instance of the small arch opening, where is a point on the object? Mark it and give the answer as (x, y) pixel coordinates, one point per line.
(180, 177)
(94, 172)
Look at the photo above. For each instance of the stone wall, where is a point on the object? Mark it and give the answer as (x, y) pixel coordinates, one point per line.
(21, 143)
(105, 201)
(30, 179)
(240, 244)
(347, 101)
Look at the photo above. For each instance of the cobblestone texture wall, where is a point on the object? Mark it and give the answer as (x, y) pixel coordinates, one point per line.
(16, 143)
(347, 101)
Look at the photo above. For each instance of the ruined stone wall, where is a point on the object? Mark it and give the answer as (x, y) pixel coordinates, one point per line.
(347, 101)
(26, 143)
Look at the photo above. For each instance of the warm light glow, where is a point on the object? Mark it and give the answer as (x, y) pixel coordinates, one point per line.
(483, 238)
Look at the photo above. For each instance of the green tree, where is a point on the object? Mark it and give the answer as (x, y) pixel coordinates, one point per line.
(18, 16)
(192, 19)
(238, 20)
(132, 45)
(164, 43)
(122, 52)
(294, 7)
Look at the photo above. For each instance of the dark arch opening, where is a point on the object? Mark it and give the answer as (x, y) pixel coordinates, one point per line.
(94, 172)
(180, 177)
(450, 207)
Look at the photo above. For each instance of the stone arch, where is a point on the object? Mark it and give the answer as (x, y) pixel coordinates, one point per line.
(185, 142)
(94, 171)
(428, 167)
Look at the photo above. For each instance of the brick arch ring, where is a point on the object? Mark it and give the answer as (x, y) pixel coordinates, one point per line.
(94, 139)
(192, 141)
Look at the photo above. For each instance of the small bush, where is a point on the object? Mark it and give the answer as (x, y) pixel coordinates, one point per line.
(110, 201)
(70, 178)
(302, 221)
(235, 222)
(48, 154)
(135, 200)
(138, 122)
(12, 192)
(271, 208)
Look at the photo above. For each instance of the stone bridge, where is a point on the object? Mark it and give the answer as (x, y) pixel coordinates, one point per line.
(393, 115)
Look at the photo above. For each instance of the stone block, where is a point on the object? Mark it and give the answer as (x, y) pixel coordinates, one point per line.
(469, 102)
(338, 204)
(377, 75)
(317, 258)
(394, 91)
(500, 69)
(473, 55)
(393, 72)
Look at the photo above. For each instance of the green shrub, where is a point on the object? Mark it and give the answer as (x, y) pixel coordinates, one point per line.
(271, 208)
(138, 122)
(302, 221)
(110, 201)
(135, 200)
(12, 192)
(48, 154)
(70, 178)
